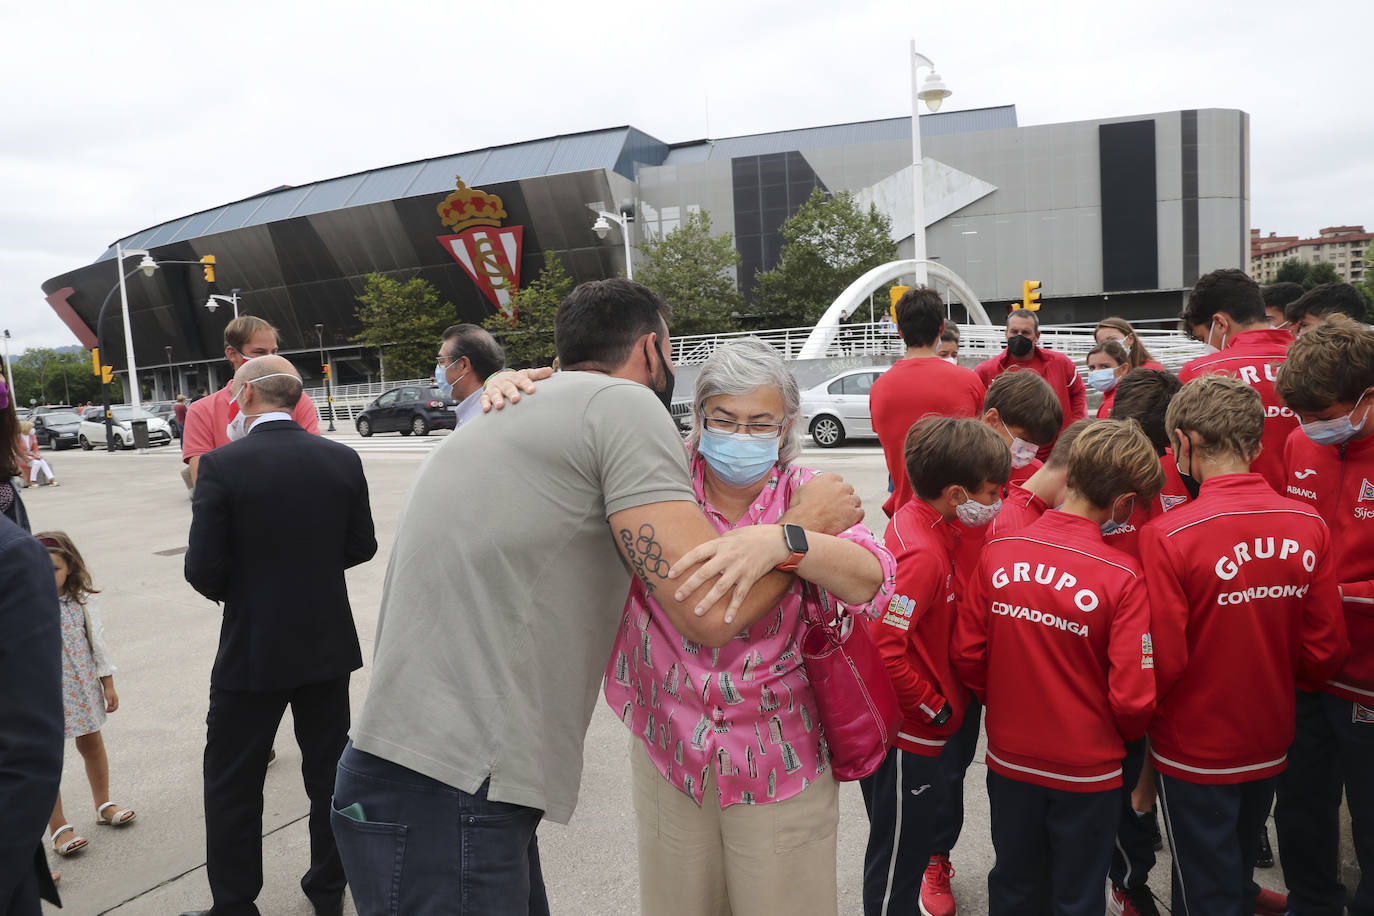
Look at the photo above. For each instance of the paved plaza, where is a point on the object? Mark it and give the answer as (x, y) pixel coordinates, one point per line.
(129, 514)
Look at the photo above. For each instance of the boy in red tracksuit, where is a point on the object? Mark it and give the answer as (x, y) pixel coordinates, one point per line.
(1328, 381)
(1245, 606)
(1024, 503)
(1054, 639)
(957, 468)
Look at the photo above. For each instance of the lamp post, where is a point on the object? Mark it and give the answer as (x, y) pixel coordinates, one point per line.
(933, 93)
(149, 267)
(171, 379)
(328, 396)
(601, 227)
(213, 302)
(9, 367)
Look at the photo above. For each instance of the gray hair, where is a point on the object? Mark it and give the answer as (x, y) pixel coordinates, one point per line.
(740, 367)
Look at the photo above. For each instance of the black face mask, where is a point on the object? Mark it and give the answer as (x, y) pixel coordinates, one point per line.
(1190, 483)
(665, 393)
(1020, 346)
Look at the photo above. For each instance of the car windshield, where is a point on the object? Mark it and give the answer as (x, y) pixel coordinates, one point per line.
(60, 419)
(132, 413)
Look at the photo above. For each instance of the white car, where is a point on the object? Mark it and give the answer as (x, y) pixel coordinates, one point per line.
(837, 409)
(92, 431)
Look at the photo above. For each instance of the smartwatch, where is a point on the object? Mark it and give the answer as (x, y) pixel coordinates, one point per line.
(794, 536)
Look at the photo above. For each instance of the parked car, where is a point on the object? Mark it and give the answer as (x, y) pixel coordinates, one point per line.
(57, 430)
(93, 427)
(837, 409)
(410, 409)
(53, 408)
(166, 412)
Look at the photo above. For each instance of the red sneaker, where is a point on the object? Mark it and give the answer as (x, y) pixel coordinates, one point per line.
(1134, 902)
(936, 897)
(1270, 903)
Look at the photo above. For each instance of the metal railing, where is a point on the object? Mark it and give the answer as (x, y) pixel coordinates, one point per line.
(349, 400)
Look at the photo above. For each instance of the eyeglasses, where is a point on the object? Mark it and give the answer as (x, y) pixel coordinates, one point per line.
(756, 430)
(447, 360)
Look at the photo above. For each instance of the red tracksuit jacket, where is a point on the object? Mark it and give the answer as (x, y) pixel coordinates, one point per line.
(1174, 494)
(1020, 507)
(1245, 605)
(968, 544)
(1054, 638)
(913, 633)
(1338, 482)
(1254, 357)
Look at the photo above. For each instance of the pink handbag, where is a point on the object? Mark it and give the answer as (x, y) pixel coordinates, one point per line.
(857, 703)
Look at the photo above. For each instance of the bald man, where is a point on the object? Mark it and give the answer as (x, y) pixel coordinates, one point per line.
(278, 515)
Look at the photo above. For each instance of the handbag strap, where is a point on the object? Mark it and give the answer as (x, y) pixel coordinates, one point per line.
(815, 596)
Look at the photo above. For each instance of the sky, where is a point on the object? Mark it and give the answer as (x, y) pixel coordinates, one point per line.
(115, 119)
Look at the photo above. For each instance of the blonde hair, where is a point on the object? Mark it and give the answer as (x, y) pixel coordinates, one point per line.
(1138, 355)
(1112, 457)
(1226, 414)
(26, 426)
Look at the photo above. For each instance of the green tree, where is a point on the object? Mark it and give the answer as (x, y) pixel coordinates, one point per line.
(1366, 284)
(1292, 270)
(694, 272)
(39, 376)
(827, 245)
(1321, 272)
(407, 319)
(528, 341)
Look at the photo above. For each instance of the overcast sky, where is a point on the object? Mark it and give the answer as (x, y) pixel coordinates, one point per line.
(115, 119)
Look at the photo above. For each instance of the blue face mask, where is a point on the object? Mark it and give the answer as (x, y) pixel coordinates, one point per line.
(441, 380)
(1103, 380)
(1111, 525)
(736, 458)
(1336, 430)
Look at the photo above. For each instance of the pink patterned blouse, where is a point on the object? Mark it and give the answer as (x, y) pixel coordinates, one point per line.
(745, 709)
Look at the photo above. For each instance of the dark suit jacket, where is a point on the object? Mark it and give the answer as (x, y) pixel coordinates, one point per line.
(31, 716)
(276, 519)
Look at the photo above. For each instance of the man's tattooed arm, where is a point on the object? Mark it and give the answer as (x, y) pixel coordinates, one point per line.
(645, 555)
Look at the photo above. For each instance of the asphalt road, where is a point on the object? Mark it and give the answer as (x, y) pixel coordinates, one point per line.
(129, 513)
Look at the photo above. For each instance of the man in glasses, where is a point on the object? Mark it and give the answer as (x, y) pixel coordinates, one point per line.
(468, 355)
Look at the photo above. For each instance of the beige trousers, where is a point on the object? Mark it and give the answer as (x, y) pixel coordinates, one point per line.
(746, 859)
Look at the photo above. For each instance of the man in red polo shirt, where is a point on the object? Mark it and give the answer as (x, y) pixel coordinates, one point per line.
(1023, 352)
(1226, 310)
(920, 385)
(245, 337)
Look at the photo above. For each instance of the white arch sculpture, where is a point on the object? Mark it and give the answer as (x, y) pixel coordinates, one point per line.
(847, 302)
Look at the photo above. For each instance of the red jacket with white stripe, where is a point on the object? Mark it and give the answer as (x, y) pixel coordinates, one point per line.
(1254, 357)
(913, 632)
(1338, 482)
(968, 544)
(1174, 494)
(1245, 606)
(1055, 639)
(1020, 507)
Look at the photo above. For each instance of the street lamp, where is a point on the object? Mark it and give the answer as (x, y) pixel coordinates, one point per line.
(319, 336)
(9, 367)
(149, 267)
(213, 302)
(933, 92)
(602, 226)
(171, 379)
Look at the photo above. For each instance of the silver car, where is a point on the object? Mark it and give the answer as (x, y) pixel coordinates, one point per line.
(837, 409)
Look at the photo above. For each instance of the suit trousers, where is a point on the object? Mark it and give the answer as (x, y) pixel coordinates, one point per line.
(241, 727)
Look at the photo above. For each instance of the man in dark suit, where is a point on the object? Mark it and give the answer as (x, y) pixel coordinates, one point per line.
(31, 718)
(277, 517)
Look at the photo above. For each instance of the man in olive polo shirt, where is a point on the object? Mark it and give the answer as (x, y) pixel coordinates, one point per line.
(505, 587)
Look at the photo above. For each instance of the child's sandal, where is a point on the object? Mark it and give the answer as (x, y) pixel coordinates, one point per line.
(73, 845)
(121, 816)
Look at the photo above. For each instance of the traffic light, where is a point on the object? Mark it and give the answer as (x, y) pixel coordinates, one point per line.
(209, 262)
(95, 360)
(325, 367)
(1030, 295)
(897, 292)
(106, 374)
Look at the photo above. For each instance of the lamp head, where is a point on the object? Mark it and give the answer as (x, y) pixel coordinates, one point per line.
(601, 227)
(933, 91)
(211, 305)
(148, 265)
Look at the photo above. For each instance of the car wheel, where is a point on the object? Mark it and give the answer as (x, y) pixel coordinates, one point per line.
(827, 431)
(419, 426)
(85, 443)
(120, 443)
(364, 427)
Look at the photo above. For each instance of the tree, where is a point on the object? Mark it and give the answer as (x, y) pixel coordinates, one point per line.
(1292, 270)
(50, 376)
(407, 319)
(528, 340)
(1321, 272)
(828, 244)
(694, 272)
(1366, 284)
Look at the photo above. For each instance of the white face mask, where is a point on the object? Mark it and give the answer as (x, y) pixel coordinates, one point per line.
(237, 428)
(975, 514)
(952, 360)
(1022, 452)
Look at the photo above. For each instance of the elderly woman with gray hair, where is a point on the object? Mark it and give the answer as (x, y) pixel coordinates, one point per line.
(735, 804)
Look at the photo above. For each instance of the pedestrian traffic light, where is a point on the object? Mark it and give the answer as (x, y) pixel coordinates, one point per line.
(209, 262)
(106, 374)
(325, 367)
(1030, 295)
(95, 360)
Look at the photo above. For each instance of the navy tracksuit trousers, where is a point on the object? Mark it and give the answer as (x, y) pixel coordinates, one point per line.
(1214, 834)
(1053, 848)
(1133, 853)
(1333, 748)
(954, 763)
(901, 797)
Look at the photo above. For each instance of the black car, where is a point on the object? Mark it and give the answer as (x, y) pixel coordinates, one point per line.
(58, 429)
(406, 410)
